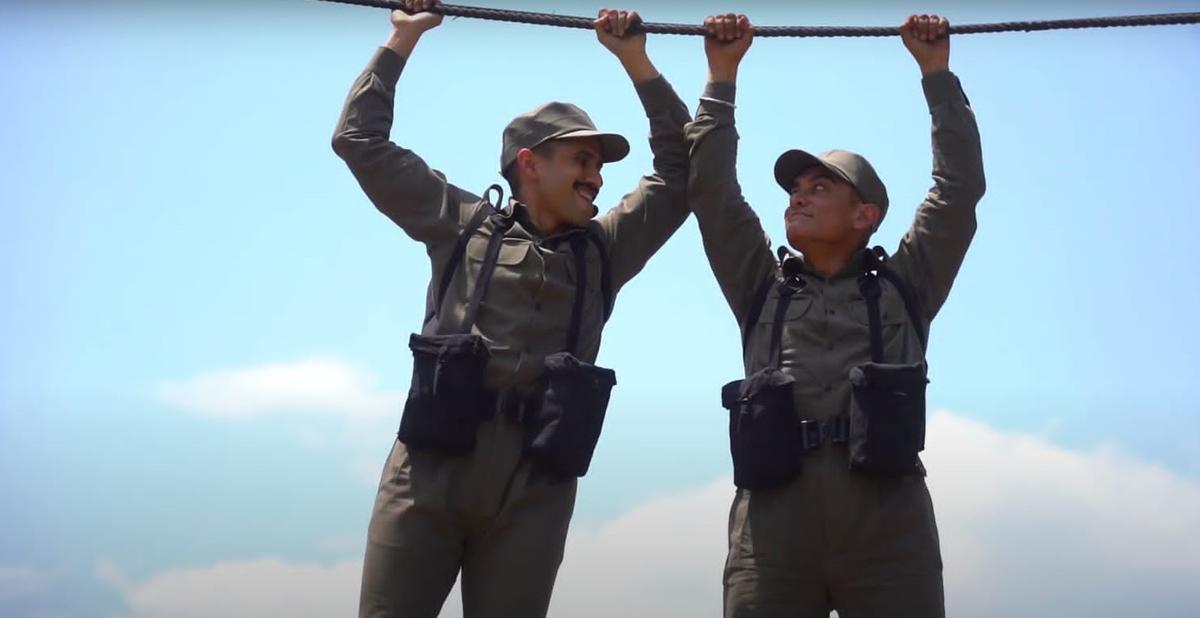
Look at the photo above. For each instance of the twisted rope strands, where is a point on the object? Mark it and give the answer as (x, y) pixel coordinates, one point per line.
(585, 23)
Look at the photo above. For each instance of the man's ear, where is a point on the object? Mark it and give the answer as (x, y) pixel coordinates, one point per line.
(526, 165)
(867, 216)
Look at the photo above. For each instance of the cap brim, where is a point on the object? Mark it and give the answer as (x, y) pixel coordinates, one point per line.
(792, 163)
(613, 147)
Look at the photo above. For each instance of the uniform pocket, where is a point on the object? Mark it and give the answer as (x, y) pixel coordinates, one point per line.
(512, 250)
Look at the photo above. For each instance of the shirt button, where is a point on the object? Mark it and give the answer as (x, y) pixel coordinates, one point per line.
(828, 388)
(829, 346)
(537, 306)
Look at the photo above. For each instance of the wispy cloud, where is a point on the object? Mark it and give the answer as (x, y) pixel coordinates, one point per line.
(1027, 527)
(315, 386)
(264, 588)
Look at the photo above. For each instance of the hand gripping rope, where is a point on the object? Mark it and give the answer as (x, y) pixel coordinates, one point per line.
(585, 23)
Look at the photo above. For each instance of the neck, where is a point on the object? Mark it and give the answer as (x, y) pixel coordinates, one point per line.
(542, 218)
(825, 260)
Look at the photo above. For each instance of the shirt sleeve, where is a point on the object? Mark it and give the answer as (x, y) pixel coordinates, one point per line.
(399, 183)
(933, 249)
(646, 217)
(737, 247)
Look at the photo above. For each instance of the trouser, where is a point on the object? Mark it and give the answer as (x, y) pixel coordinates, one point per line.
(487, 513)
(832, 539)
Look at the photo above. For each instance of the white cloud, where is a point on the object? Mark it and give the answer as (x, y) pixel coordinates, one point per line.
(316, 386)
(20, 581)
(260, 588)
(1027, 528)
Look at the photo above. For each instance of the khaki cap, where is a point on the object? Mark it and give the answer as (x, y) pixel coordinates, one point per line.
(848, 166)
(556, 120)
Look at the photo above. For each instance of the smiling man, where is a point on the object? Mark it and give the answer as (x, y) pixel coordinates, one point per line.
(505, 406)
(832, 511)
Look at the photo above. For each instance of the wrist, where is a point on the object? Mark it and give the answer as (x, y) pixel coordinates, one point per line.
(403, 39)
(638, 66)
(718, 73)
(937, 66)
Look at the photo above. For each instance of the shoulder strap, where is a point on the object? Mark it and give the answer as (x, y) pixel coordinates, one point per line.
(605, 273)
(785, 299)
(869, 284)
(579, 248)
(754, 313)
(484, 209)
(500, 225)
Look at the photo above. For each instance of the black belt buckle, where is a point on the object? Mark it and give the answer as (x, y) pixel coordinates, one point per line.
(810, 435)
(834, 431)
(511, 405)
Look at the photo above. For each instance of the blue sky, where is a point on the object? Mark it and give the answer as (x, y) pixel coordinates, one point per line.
(176, 224)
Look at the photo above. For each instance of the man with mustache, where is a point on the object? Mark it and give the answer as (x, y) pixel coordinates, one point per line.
(505, 406)
(832, 511)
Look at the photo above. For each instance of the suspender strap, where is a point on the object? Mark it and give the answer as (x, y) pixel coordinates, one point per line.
(605, 273)
(460, 247)
(910, 304)
(483, 209)
(785, 299)
(871, 292)
(579, 248)
(500, 225)
(754, 314)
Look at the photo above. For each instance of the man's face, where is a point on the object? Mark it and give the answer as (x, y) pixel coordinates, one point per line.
(825, 209)
(568, 179)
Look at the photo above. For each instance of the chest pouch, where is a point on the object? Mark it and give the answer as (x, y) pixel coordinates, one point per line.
(766, 439)
(447, 398)
(564, 416)
(887, 402)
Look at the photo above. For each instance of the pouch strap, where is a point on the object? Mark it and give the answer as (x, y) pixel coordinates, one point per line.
(500, 225)
(875, 265)
(869, 284)
(754, 314)
(484, 208)
(787, 286)
(579, 248)
(605, 273)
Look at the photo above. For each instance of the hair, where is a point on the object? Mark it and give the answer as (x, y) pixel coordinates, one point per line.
(545, 149)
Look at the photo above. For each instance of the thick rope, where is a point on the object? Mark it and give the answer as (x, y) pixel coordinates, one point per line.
(585, 23)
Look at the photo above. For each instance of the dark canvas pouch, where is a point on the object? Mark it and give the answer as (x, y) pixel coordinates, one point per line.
(563, 424)
(446, 399)
(887, 418)
(764, 430)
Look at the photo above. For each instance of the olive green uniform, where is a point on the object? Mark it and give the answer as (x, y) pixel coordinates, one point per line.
(830, 538)
(486, 512)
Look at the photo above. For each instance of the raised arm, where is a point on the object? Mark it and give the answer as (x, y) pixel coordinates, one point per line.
(397, 181)
(645, 218)
(933, 249)
(738, 249)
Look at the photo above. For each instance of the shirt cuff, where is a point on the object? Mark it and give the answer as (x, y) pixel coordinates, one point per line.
(724, 92)
(943, 87)
(387, 64)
